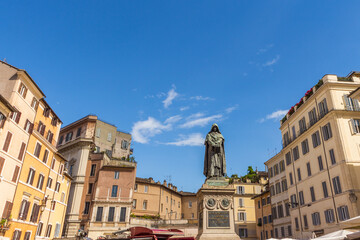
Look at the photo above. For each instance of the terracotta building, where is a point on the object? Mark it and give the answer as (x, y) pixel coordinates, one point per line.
(263, 215)
(103, 176)
(320, 156)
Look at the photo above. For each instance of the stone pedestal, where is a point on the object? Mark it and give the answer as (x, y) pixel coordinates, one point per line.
(216, 211)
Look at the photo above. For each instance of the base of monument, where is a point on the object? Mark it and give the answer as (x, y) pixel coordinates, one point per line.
(218, 236)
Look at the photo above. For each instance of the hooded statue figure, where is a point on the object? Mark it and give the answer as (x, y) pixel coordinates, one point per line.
(214, 163)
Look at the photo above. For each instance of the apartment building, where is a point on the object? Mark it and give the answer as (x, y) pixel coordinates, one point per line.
(264, 227)
(156, 200)
(280, 207)
(29, 145)
(244, 205)
(189, 207)
(103, 176)
(322, 159)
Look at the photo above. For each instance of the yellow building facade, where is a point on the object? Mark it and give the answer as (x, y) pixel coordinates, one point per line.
(40, 197)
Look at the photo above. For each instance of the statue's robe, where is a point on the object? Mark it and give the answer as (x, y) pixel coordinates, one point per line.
(214, 162)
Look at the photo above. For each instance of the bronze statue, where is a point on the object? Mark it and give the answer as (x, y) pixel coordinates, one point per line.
(214, 163)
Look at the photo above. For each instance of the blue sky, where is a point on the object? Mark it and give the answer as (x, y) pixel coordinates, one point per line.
(166, 70)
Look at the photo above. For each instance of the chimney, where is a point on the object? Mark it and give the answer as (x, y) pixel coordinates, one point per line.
(165, 184)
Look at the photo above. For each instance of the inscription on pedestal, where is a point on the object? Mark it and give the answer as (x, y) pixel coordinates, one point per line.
(218, 219)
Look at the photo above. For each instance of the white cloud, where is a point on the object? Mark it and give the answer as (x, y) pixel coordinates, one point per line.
(272, 62)
(184, 108)
(171, 95)
(142, 131)
(201, 98)
(173, 119)
(197, 120)
(264, 50)
(231, 109)
(275, 115)
(194, 139)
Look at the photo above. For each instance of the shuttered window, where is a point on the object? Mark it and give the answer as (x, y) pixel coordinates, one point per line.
(35, 213)
(24, 209)
(37, 150)
(111, 214)
(2, 162)
(16, 173)
(16, 235)
(46, 155)
(7, 210)
(327, 133)
(122, 214)
(27, 235)
(99, 214)
(7, 142)
(22, 150)
(31, 176)
(48, 230)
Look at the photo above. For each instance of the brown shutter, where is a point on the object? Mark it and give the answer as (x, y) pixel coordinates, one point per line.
(25, 92)
(27, 236)
(2, 122)
(37, 213)
(32, 178)
(26, 210)
(16, 172)
(18, 115)
(42, 182)
(22, 150)
(23, 203)
(42, 129)
(7, 141)
(7, 209)
(31, 128)
(2, 162)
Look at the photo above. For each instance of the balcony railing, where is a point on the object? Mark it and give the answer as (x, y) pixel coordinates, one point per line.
(319, 116)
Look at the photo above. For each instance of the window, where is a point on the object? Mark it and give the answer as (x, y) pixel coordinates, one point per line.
(7, 142)
(291, 179)
(260, 221)
(46, 112)
(53, 163)
(190, 204)
(108, 152)
(351, 104)
(90, 188)
(114, 191)
(35, 213)
(289, 230)
(192, 215)
(99, 214)
(135, 187)
(337, 185)
(270, 219)
(305, 146)
(301, 198)
(21, 152)
(31, 176)
(124, 144)
(276, 233)
(243, 232)
(87, 208)
(268, 199)
(299, 174)
(49, 182)
(71, 168)
(240, 190)
(144, 204)
(312, 117)
(263, 202)
(276, 169)
(355, 124)
(316, 218)
(62, 199)
(61, 169)
(16, 235)
(286, 139)
(37, 150)
(40, 181)
(282, 231)
(57, 230)
(316, 139)
(343, 213)
(98, 132)
(93, 168)
(68, 136)
(242, 216)
(274, 212)
(134, 204)
(323, 109)
(259, 204)
(146, 188)
(327, 131)
(2, 161)
(61, 139)
(325, 191)
(282, 166)
(321, 166)
(16, 173)
(28, 126)
(287, 209)
(296, 154)
(24, 209)
(241, 202)
(116, 175)
(332, 156)
(46, 155)
(302, 125)
(41, 128)
(111, 214)
(312, 193)
(293, 200)
(297, 224)
(272, 190)
(293, 132)
(49, 136)
(2, 120)
(277, 188)
(271, 173)
(329, 216)
(280, 211)
(109, 137)
(53, 204)
(22, 90)
(122, 214)
(54, 121)
(308, 167)
(57, 186)
(39, 229)
(34, 104)
(306, 225)
(288, 158)
(78, 132)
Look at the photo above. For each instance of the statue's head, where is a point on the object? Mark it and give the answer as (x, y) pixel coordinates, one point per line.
(215, 128)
